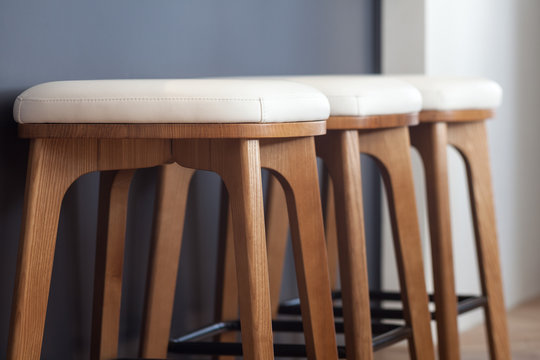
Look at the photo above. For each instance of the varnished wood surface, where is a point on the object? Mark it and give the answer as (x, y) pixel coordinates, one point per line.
(277, 228)
(172, 131)
(340, 152)
(238, 163)
(456, 115)
(226, 297)
(371, 122)
(391, 150)
(431, 141)
(293, 162)
(330, 231)
(112, 215)
(54, 164)
(470, 139)
(169, 213)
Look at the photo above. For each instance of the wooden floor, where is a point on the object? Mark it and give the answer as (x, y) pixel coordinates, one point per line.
(524, 327)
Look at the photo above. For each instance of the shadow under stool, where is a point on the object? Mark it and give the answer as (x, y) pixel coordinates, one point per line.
(231, 127)
(455, 110)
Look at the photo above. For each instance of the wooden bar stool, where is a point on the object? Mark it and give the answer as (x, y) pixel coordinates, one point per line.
(368, 115)
(371, 115)
(232, 127)
(454, 113)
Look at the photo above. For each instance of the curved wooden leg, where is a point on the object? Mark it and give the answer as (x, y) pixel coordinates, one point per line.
(277, 227)
(112, 215)
(293, 161)
(341, 154)
(238, 163)
(471, 141)
(169, 211)
(226, 300)
(391, 148)
(330, 229)
(53, 166)
(431, 140)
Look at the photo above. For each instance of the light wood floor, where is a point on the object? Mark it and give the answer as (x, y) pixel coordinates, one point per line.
(524, 328)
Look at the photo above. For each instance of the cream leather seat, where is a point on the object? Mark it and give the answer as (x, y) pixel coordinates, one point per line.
(170, 101)
(364, 95)
(455, 93)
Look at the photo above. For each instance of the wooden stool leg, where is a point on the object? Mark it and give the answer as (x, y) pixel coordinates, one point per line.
(53, 166)
(112, 215)
(391, 149)
(238, 163)
(431, 140)
(171, 196)
(293, 161)
(340, 152)
(471, 141)
(226, 300)
(277, 227)
(330, 232)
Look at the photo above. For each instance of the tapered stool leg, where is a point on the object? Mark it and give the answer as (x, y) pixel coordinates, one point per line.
(53, 165)
(341, 154)
(277, 228)
(226, 297)
(170, 206)
(299, 190)
(391, 149)
(238, 163)
(112, 215)
(330, 231)
(293, 162)
(431, 141)
(471, 141)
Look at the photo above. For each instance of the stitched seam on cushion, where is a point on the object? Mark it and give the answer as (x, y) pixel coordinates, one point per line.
(263, 109)
(143, 99)
(20, 107)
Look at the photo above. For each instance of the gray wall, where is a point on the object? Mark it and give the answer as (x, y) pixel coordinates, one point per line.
(65, 39)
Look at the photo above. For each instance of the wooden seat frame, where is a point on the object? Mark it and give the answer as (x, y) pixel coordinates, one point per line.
(61, 153)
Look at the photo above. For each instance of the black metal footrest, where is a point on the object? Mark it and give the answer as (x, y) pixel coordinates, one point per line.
(465, 303)
(384, 335)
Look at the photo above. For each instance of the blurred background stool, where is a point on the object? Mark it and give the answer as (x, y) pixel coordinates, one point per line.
(454, 113)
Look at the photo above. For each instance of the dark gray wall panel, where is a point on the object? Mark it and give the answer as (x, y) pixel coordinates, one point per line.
(66, 39)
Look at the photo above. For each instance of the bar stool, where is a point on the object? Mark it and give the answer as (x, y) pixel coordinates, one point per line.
(232, 127)
(454, 113)
(368, 115)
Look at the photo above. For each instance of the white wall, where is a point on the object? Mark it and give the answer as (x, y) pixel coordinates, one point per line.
(497, 39)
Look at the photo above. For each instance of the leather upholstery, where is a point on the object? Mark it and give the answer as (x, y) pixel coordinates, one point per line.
(364, 95)
(455, 93)
(170, 101)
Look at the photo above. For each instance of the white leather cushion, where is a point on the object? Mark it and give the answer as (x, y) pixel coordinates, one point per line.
(456, 93)
(170, 101)
(364, 95)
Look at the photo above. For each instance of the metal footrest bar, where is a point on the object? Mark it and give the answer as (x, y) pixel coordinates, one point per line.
(465, 303)
(384, 335)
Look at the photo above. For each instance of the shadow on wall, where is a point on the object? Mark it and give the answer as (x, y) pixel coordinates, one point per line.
(62, 40)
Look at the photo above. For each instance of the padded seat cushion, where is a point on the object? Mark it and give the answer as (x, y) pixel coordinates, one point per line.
(456, 93)
(170, 101)
(365, 95)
